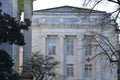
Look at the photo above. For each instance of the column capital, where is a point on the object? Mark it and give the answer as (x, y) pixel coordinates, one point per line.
(43, 36)
(80, 36)
(61, 36)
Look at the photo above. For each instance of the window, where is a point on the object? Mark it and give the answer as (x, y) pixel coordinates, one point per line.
(88, 70)
(88, 44)
(70, 70)
(51, 46)
(69, 44)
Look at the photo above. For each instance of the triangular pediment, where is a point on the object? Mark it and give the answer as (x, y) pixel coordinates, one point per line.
(67, 9)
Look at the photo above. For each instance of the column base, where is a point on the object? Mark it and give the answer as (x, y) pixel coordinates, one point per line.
(26, 76)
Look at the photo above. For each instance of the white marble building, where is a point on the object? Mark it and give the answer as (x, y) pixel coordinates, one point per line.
(64, 32)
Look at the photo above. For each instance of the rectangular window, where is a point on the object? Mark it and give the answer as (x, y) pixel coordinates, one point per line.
(88, 44)
(69, 44)
(51, 46)
(70, 70)
(88, 70)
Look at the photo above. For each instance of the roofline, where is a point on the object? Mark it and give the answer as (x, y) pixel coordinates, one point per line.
(67, 6)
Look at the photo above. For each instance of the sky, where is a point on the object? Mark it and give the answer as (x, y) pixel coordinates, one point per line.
(44, 4)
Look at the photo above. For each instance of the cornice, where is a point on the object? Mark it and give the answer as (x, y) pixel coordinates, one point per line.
(63, 26)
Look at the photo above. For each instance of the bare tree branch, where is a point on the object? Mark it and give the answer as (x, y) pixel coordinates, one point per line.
(42, 66)
(118, 1)
(92, 8)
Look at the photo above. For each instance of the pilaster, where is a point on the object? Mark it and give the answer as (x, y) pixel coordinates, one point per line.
(43, 44)
(60, 54)
(80, 57)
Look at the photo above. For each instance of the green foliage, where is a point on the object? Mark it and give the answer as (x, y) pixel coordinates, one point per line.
(10, 32)
(21, 6)
(11, 29)
(6, 64)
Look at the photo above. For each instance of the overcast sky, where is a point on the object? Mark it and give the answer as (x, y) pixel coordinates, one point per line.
(43, 4)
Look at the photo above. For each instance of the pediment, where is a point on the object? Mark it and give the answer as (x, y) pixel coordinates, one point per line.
(68, 9)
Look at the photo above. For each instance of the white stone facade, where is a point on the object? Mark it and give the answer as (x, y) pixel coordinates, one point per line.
(64, 29)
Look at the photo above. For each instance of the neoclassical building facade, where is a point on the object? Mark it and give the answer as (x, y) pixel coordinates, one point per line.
(69, 34)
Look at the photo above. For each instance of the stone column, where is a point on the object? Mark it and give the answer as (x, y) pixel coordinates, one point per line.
(80, 57)
(60, 55)
(27, 37)
(15, 57)
(10, 7)
(14, 2)
(43, 44)
(15, 48)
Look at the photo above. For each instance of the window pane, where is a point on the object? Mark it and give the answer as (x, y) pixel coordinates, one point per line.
(70, 70)
(88, 70)
(51, 46)
(88, 44)
(69, 46)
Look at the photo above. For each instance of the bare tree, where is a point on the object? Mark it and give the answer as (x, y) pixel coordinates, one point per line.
(93, 3)
(109, 52)
(43, 66)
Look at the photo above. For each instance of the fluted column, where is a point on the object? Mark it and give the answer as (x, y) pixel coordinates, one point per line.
(80, 57)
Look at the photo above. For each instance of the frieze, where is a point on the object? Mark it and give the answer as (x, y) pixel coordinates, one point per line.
(67, 21)
(74, 26)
